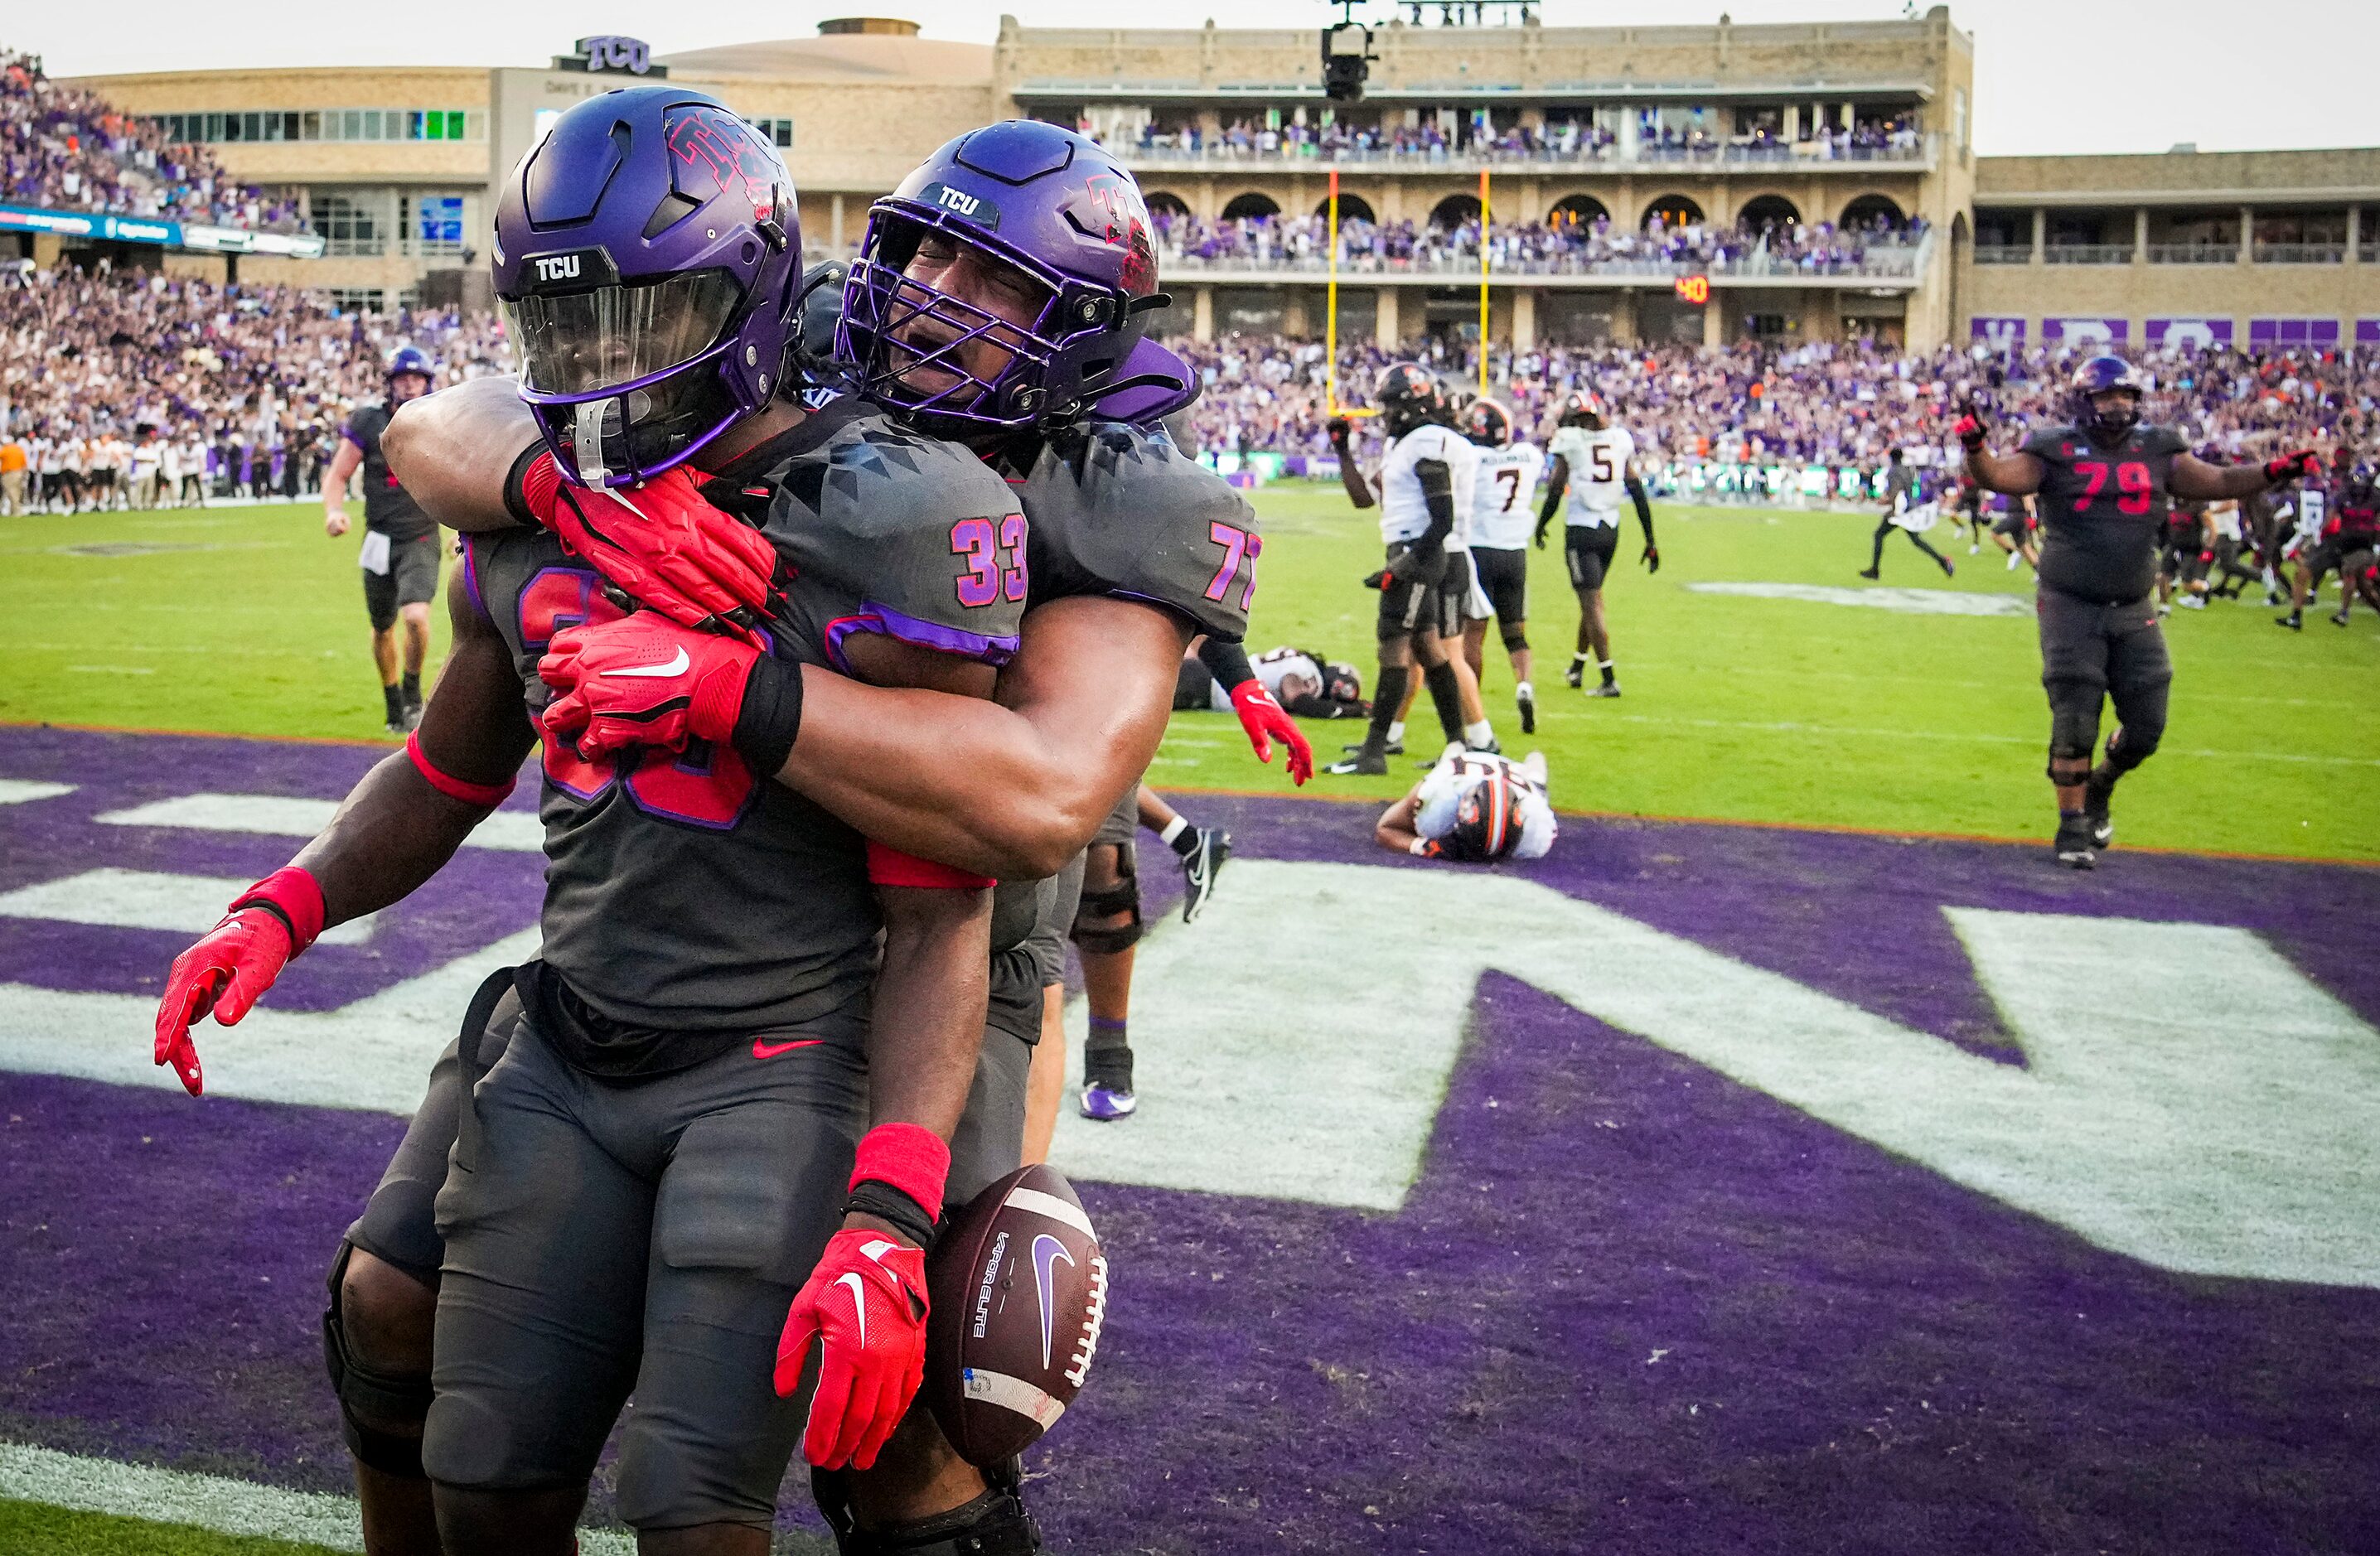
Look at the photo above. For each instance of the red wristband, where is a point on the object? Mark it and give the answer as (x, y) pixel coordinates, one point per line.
(538, 483)
(890, 866)
(486, 795)
(296, 895)
(909, 1157)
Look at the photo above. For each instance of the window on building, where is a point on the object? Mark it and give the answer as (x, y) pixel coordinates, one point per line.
(349, 225)
(332, 124)
(365, 299)
(779, 131)
(436, 226)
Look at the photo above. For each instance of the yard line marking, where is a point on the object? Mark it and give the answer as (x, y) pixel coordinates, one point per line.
(218, 1503)
(140, 899)
(24, 791)
(1908, 602)
(1792, 726)
(512, 832)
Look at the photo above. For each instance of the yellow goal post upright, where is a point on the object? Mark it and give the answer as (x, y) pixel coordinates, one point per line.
(1330, 319)
(1483, 282)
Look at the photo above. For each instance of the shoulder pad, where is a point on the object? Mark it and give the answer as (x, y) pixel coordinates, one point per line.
(1117, 509)
(909, 523)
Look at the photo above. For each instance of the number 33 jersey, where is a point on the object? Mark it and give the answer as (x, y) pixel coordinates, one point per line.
(2101, 508)
(685, 893)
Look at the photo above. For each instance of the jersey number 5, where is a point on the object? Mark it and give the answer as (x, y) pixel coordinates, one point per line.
(1240, 550)
(704, 786)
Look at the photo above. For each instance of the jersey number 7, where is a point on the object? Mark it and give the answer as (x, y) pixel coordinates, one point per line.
(1240, 552)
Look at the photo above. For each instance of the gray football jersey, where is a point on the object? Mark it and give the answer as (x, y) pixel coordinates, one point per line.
(1117, 509)
(684, 892)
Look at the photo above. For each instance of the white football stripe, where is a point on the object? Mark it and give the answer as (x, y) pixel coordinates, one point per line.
(1013, 1394)
(514, 831)
(1049, 1205)
(140, 899)
(1908, 602)
(20, 791)
(214, 1503)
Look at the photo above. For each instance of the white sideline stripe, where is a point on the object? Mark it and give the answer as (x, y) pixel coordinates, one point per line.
(214, 1503)
(21, 791)
(1049, 1205)
(514, 831)
(140, 899)
(1908, 602)
(1013, 1394)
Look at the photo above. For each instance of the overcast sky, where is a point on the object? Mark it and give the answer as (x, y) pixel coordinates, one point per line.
(2050, 75)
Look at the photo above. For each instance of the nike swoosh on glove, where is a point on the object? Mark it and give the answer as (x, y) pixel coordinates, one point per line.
(660, 543)
(1265, 721)
(866, 1304)
(643, 680)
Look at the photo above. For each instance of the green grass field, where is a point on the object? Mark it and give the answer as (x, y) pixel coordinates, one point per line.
(33, 1529)
(249, 621)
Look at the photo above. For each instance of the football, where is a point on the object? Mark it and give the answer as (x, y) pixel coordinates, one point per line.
(1019, 1288)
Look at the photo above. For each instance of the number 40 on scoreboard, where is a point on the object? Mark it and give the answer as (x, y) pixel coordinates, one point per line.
(1694, 290)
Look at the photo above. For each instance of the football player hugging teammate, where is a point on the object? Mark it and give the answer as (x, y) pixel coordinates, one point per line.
(2106, 481)
(1426, 502)
(1593, 462)
(702, 1144)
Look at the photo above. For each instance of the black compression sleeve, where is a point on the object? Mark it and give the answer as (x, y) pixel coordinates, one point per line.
(1438, 491)
(771, 714)
(1643, 507)
(1552, 504)
(515, 504)
(1228, 661)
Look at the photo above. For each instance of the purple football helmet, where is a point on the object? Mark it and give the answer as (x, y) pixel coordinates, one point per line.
(1066, 234)
(647, 253)
(2096, 377)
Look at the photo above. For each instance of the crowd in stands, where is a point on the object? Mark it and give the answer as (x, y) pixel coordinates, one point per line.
(1840, 405)
(1551, 247)
(1569, 139)
(69, 151)
(250, 384)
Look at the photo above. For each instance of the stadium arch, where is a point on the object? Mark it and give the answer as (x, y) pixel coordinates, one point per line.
(1579, 210)
(1165, 202)
(1252, 206)
(1672, 210)
(1767, 211)
(1455, 209)
(1352, 208)
(1868, 207)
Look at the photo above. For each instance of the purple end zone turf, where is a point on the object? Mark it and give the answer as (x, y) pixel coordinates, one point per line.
(1630, 1306)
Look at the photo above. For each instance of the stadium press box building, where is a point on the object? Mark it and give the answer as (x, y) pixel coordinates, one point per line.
(1693, 127)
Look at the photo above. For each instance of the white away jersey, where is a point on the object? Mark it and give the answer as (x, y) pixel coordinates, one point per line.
(1458, 772)
(2312, 503)
(1404, 515)
(1272, 667)
(1598, 472)
(1503, 515)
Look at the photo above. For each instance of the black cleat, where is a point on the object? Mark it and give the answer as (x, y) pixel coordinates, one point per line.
(2338, 620)
(1528, 715)
(1368, 764)
(2097, 821)
(1393, 749)
(1609, 688)
(1199, 867)
(1870, 573)
(2294, 621)
(2073, 846)
(400, 725)
(1575, 677)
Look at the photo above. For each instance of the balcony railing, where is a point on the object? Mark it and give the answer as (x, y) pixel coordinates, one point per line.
(2088, 253)
(2003, 253)
(2301, 253)
(2193, 254)
(1880, 261)
(1217, 154)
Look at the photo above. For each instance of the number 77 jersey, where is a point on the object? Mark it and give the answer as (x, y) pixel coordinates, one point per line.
(2101, 507)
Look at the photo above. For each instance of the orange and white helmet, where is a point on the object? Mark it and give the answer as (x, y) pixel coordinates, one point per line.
(1583, 407)
(1487, 422)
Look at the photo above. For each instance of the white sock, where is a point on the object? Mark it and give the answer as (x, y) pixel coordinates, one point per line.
(1173, 829)
(1397, 732)
(1526, 692)
(1480, 735)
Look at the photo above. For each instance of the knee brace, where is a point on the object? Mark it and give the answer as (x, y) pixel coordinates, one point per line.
(2131, 745)
(1099, 904)
(1516, 641)
(994, 1524)
(371, 1401)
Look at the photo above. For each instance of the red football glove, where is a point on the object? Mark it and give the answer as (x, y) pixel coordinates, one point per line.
(233, 963)
(1265, 721)
(866, 1304)
(2290, 466)
(659, 544)
(1969, 428)
(643, 680)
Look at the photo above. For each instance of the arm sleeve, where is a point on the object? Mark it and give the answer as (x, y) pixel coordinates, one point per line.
(1119, 511)
(1229, 661)
(1438, 491)
(1644, 505)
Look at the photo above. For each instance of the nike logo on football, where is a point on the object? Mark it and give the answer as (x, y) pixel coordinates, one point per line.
(859, 1304)
(676, 666)
(1047, 1251)
(765, 1050)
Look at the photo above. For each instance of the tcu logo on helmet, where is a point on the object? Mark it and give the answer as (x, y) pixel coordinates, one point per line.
(1109, 208)
(712, 150)
(557, 267)
(955, 199)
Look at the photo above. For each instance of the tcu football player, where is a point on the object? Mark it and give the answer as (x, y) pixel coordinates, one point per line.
(2104, 480)
(1509, 468)
(1130, 547)
(1593, 462)
(1475, 806)
(1425, 496)
(400, 549)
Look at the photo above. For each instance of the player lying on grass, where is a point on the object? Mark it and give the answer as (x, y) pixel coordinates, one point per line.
(2103, 482)
(1474, 807)
(1124, 555)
